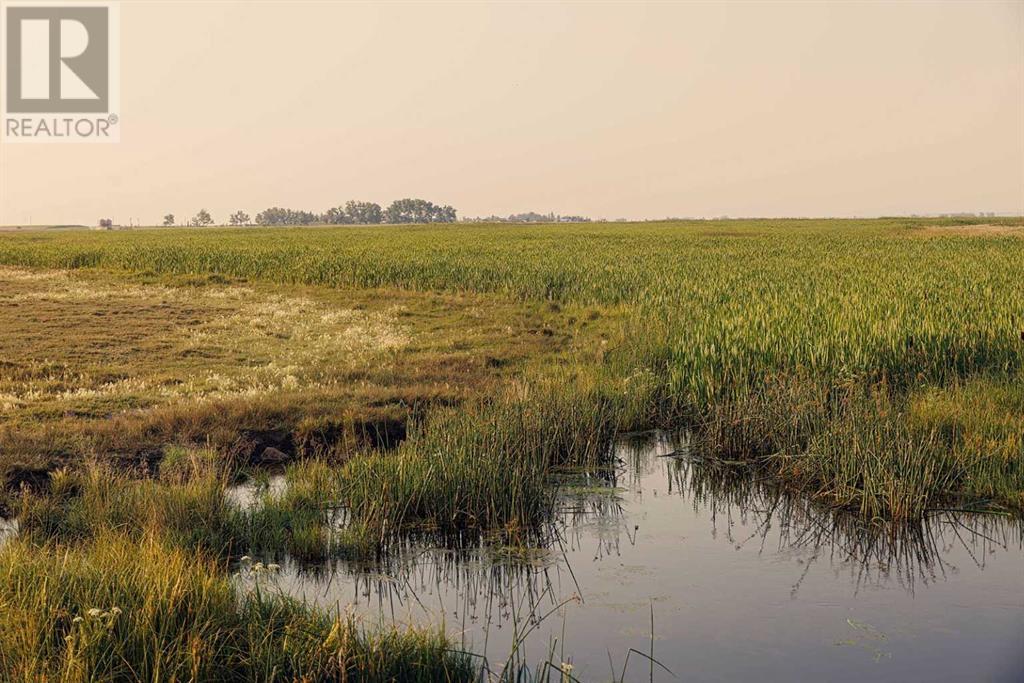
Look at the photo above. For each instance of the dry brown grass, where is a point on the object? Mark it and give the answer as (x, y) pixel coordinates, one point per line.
(977, 230)
(96, 365)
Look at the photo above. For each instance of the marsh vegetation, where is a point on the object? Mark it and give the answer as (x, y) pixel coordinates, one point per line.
(433, 387)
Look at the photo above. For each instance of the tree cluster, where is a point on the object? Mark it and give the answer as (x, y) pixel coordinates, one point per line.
(201, 219)
(418, 211)
(278, 216)
(352, 213)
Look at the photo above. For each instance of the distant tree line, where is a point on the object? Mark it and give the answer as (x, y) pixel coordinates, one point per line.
(369, 213)
(352, 213)
(530, 217)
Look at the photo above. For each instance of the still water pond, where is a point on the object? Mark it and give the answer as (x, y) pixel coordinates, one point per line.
(742, 583)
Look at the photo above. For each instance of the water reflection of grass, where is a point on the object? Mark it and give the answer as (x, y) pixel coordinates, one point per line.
(874, 551)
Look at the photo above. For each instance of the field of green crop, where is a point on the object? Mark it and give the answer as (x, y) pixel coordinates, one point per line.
(874, 366)
(604, 263)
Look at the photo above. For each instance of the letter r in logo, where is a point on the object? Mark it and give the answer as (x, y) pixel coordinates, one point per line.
(57, 59)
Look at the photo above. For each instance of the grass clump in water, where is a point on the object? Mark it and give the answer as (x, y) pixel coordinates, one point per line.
(304, 518)
(188, 506)
(189, 512)
(485, 466)
(885, 453)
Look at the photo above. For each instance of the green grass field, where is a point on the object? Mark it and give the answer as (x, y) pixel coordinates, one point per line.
(434, 378)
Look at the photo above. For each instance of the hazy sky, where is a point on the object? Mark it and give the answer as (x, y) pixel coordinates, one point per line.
(610, 110)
